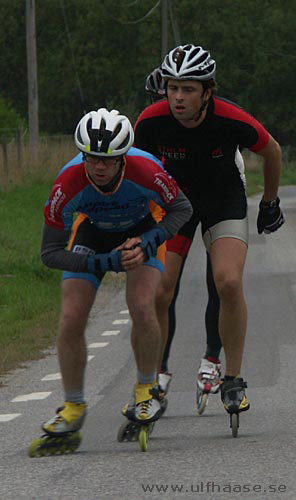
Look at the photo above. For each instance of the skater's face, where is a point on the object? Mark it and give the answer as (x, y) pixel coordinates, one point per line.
(186, 98)
(101, 169)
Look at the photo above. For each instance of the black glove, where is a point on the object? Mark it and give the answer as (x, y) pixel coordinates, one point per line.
(270, 216)
(151, 240)
(102, 262)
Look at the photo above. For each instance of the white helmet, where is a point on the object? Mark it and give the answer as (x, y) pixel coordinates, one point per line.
(104, 133)
(155, 84)
(188, 62)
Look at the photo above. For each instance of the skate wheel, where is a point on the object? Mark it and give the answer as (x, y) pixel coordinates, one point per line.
(150, 429)
(143, 438)
(164, 405)
(234, 424)
(121, 433)
(54, 445)
(35, 449)
(128, 431)
(202, 401)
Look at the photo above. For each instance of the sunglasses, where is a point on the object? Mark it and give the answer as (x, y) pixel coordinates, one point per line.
(97, 159)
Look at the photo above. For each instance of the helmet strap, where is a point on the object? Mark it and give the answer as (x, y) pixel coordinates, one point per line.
(203, 106)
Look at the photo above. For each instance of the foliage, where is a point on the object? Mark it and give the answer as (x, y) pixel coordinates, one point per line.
(94, 53)
(9, 118)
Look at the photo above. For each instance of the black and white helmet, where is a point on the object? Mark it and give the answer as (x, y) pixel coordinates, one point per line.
(155, 84)
(188, 62)
(104, 133)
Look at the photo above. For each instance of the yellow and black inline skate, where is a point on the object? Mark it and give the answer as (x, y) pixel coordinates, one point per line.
(235, 400)
(61, 432)
(142, 412)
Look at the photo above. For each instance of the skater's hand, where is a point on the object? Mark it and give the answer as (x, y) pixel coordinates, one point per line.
(99, 264)
(151, 240)
(132, 255)
(270, 217)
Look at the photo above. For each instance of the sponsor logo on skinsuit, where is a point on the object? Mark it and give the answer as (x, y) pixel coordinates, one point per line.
(217, 153)
(172, 153)
(169, 191)
(57, 199)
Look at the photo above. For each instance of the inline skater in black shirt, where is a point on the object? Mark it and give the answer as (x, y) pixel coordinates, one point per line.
(198, 136)
(209, 373)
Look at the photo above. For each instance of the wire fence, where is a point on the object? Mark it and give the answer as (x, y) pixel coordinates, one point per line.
(18, 159)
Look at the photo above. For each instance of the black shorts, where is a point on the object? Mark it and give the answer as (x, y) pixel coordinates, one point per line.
(86, 234)
(87, 239)
(208, 214)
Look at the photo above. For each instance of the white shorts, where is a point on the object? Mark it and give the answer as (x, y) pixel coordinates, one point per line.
(234, 228)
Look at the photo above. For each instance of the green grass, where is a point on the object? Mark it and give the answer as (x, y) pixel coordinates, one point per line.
(255, 178)
(29, 292)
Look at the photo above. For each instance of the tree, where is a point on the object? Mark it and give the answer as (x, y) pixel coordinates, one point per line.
(98, 53)
(9, 118)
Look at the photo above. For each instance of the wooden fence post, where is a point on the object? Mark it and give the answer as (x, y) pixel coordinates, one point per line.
(19, 148)
(5, 155)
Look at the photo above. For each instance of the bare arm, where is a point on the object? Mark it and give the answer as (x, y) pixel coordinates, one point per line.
(272, 156)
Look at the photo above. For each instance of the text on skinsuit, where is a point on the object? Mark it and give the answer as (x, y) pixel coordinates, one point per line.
(159, 180)
(57, 199)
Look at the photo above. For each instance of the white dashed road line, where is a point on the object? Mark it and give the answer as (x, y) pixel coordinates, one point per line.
(52, 376)
(9, 416)
(120, 321)
(126, 311)
(31, 397)
(96, 345)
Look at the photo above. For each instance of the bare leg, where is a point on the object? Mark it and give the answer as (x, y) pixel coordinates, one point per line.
(77, 299)
(141, 288)
(228, 257)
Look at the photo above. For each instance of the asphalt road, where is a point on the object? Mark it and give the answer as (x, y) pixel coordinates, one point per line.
(188, 456)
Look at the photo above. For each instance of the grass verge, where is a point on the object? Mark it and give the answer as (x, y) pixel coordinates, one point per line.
(29, 293)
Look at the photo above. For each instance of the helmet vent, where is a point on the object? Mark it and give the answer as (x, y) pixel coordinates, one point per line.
(116, 131)
(106, 141)
(196, 52)
(94, 136)
(125, 142)
(102, 129)
(79, 138)
(178, 58)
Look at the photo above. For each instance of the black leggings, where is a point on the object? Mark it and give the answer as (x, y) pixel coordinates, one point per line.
(211, 318)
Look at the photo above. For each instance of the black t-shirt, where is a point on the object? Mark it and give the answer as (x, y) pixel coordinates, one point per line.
(203, 160)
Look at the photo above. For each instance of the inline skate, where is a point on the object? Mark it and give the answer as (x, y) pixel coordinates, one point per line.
(208, 382)
(234, 400)
(141, 413)
(61, 432)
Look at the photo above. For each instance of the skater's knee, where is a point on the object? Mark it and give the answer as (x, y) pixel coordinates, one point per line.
(229, 286)
(72, 325)
(164, 295)
(142, 309)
